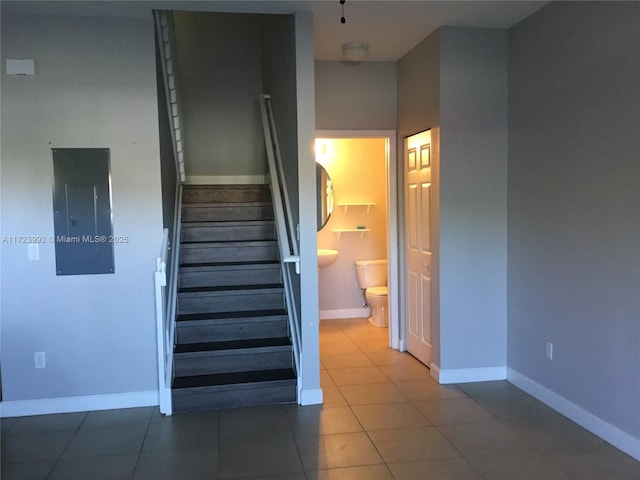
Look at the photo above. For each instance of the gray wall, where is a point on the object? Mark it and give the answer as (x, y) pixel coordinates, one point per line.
(574, 205)
(95, 87)
(219, 56)
(455, 82)
(473, 197)
(355, 96)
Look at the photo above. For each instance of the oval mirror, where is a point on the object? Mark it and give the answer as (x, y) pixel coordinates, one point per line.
(324, 191)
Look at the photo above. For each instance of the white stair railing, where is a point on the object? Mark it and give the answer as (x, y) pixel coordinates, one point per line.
(169, 259)
(162, 327)
(166, 42)
(284, 224)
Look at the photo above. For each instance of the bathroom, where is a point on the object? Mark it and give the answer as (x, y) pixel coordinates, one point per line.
(358, 225)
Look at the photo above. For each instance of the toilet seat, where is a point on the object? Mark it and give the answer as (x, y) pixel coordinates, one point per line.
(377, 291)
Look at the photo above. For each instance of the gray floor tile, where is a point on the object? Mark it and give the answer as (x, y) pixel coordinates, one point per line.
(280, 476)
(412, 444)
(372, 393)
(454, 410)
(348, 360)
(392, 357)
(332, 397)
(428, 389)
(181, 434)
(34, 447)
(357, 375)
(48, 423)
(7, 424)
(26, 471)
(389, 416)
(487, 438)
(520, 466)
(326, 380)
(338, 347)
(259, 457)
(481, 389)
(441, 469)
(111, 467)
(514, 404)
(118, 418)
(339, 450)
(254, 423)
(198, 464)
(603, 463)
(400, 373)
(367, 472)
(568, 433)
(106, 441)
(316, 420)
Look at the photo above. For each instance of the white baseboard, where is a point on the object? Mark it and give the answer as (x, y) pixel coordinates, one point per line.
(311, 396)
(596, 425)
(466, 375)
(225, 179)
(85, 403)
(345, 313)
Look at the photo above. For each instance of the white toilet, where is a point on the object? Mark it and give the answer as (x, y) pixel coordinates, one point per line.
(372, 276)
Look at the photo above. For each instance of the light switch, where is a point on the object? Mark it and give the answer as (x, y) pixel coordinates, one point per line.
(33, 251)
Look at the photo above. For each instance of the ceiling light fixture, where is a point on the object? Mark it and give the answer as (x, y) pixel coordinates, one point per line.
(342, 19)
(355, 51)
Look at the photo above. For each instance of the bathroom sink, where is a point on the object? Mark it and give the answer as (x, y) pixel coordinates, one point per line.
(326, 256)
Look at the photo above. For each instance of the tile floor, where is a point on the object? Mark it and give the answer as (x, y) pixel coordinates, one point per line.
(383, 418)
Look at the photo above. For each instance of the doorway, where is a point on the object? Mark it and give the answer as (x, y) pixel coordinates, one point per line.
(389, 146)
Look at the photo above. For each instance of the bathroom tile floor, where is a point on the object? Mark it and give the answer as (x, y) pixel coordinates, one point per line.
(383, 418)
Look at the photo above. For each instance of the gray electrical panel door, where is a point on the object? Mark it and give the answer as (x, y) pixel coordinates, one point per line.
(82, 211)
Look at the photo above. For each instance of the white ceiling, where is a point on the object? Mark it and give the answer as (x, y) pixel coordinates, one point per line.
(391, 27)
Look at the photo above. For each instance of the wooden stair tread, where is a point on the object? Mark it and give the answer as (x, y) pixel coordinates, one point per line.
(232, 345)
(230, 264)
(188, 317)
(233, 378)
(229, 288)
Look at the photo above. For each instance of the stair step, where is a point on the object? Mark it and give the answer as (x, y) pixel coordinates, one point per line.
(232, 356)
(219, 317)
(230, 288)
(231, 299)
(209, 327)
(242, 389)
(210, 382)
(213, 252)
(232, 345)
(228, 231)
(238, 274)
(212, 212)
(225, 193)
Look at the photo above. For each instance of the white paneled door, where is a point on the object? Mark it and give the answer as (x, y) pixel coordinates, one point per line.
(418, 248)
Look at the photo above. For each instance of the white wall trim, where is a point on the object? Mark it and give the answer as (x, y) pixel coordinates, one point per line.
(596, 425)
(84, 403)
(225, 179)
(345, 313)
(466, 375)
(311, 396)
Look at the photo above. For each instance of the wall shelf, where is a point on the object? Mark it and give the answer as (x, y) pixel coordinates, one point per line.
(346, 205)
(340, 231)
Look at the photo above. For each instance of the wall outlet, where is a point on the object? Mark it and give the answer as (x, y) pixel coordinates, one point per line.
(548, 350)
(39, 360)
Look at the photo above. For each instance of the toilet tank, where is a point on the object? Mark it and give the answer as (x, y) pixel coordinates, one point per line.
(371, 273)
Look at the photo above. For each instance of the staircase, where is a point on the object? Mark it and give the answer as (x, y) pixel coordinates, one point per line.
(233, 345)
